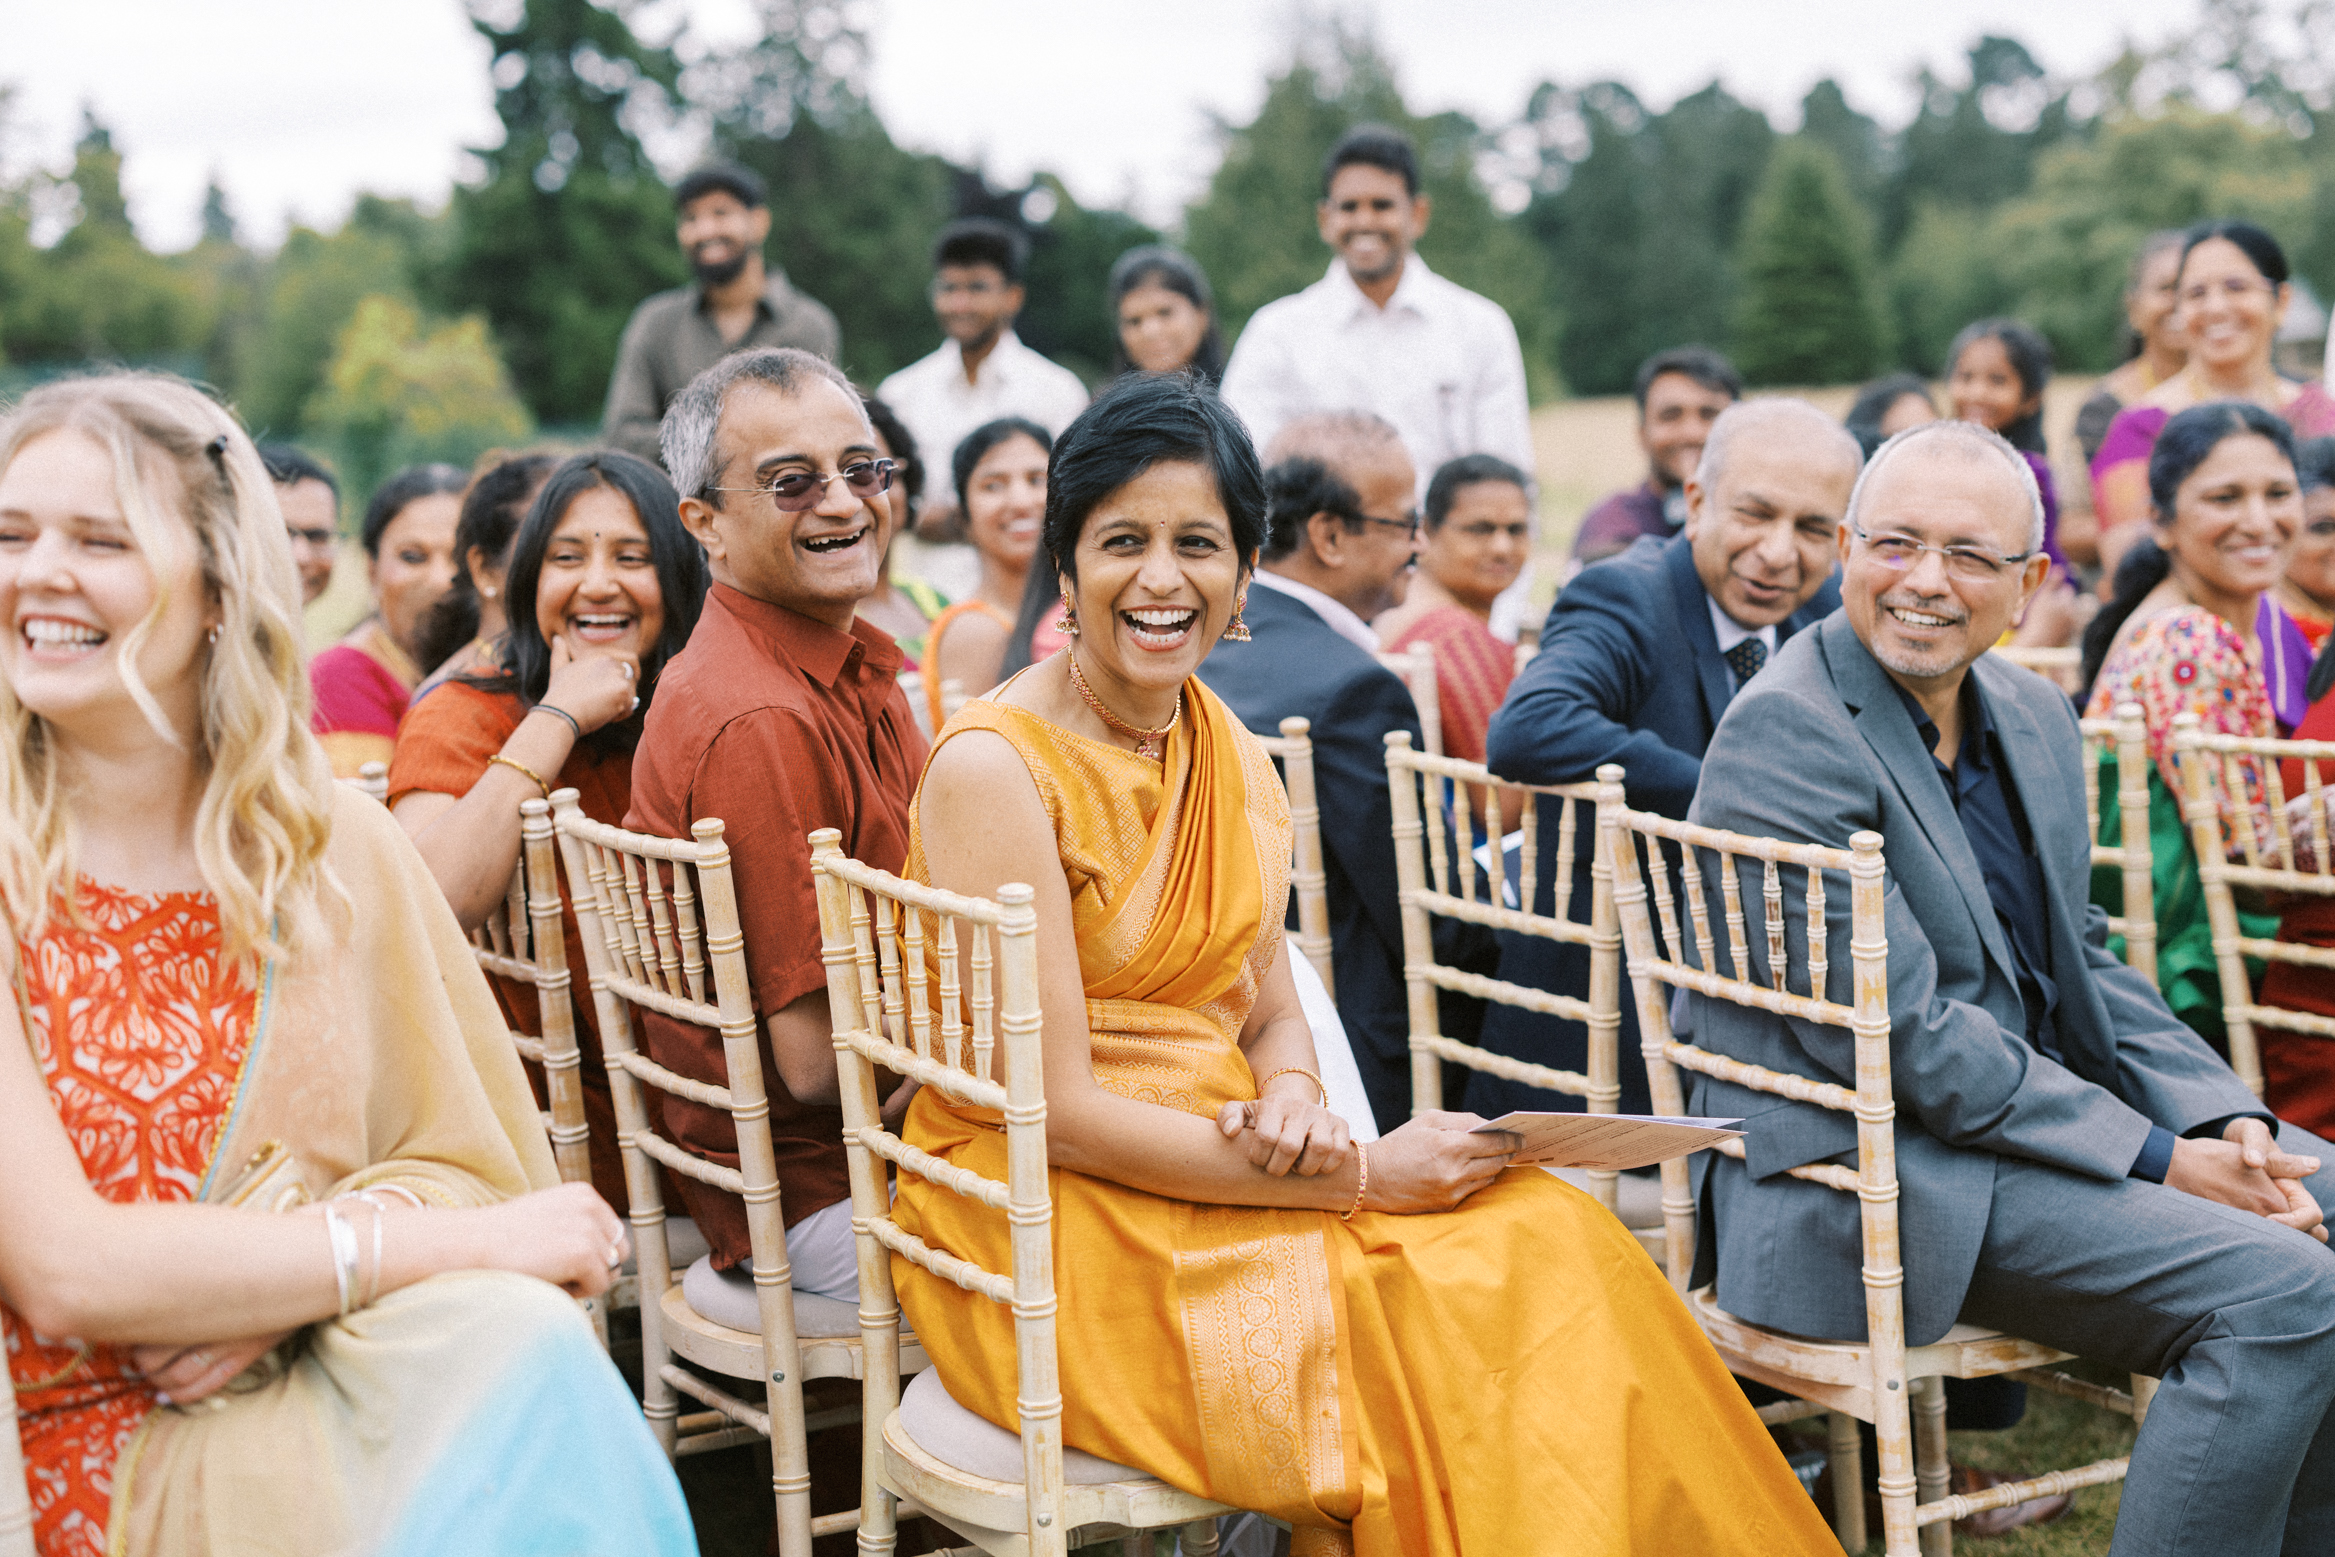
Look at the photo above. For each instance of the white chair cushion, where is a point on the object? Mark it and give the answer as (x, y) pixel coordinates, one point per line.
(684, 1245)
(1637, 1197)
(979, 1447)
(727, 1298)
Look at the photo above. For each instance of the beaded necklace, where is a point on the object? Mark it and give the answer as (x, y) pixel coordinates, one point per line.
(1148, 743)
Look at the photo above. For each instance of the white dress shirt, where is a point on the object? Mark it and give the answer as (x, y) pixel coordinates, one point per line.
(931, 396)
(1731, 632)
(1342, 621)
(1438, 361)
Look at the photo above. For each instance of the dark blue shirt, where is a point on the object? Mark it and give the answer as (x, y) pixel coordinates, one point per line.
(1986, 798)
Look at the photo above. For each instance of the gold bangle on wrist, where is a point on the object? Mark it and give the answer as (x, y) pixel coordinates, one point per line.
(1296, 1070)
(1362, 1184)
(525, 772)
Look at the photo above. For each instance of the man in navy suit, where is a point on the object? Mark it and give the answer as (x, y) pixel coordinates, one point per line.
(1639, 658)
(1343, 536)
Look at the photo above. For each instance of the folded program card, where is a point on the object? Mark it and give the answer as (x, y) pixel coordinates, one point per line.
(1608, 1141)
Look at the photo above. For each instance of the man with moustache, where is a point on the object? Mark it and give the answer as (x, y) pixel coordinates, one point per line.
(311, 500)
(1342, 537)
(737, 302)
(783, 714)
(2075, 1166)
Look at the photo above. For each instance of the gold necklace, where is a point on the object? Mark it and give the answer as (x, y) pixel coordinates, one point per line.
(1148, 743)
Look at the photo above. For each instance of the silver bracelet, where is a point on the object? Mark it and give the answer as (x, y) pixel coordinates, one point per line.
(373, 1292)
(344, 1253)
(554, 708)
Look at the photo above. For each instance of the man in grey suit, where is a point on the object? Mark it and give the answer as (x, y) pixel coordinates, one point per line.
(2076, 1166)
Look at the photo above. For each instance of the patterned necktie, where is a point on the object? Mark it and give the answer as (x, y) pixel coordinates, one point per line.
(1745, 659)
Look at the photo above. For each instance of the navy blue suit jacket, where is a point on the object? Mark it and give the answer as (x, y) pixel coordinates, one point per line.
(1296, 663)
(1629, 671)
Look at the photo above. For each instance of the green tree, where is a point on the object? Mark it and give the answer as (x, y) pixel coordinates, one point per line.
(792, 106)
(97, 294)
(310, 293)
(399, 390)
(1856, 141)
(1975, 147)
(1639, 215)
(2063, 250)
(1254, 232)
(1947, 273)
(1810, 314)
(571, 227)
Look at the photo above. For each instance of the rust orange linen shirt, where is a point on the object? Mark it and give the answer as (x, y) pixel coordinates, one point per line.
(778, 725)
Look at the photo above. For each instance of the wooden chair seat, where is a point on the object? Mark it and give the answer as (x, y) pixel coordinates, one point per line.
(953, 1463)
(1835, 1374)
(827, 1340)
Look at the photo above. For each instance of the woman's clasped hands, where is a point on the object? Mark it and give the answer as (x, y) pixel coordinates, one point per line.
(1432, 1163)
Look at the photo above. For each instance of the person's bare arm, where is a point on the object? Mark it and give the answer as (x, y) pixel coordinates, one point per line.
(972, 652)
(471, 842)
(74, 1264)
(983, 826)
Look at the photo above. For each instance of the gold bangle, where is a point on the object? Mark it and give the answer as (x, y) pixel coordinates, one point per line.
(1361, 1185)
(525, 772)
(1296, 1070)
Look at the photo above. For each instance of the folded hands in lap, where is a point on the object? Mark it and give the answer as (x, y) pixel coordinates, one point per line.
(2246, 1169)
(1431, 1164)
(566, 1235)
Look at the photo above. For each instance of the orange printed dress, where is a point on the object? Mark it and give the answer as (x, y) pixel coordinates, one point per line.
(1512, 1376)
(142, 1032)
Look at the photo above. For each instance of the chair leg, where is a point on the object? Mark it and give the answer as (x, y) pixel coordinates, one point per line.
(2144, 1390)
(1197, 1539)
(1899, 1489)
(1932, 1473)
(1848, 1481)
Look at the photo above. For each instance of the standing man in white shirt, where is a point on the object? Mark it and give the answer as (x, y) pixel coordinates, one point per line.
(982, 371)
(1381, 332)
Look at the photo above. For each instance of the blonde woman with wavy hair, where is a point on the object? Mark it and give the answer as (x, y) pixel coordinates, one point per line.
(235, 983)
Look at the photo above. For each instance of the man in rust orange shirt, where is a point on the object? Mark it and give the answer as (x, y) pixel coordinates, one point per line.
(783, 714)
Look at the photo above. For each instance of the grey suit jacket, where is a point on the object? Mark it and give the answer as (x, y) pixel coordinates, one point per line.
(1815, 749)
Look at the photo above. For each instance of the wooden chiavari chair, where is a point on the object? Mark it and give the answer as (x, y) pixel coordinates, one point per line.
(2126, 736)
(661, 933)
(1416, 667)
(1439, 875)
(2234, 784)
(1308, 881)
(963, 1018)
(522, 940)
(1881, 1380)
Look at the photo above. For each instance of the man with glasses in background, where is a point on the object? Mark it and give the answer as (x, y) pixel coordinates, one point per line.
(1342, 539)
(2075, 1166)
(736, 302)
(783, 714)
(311, 501)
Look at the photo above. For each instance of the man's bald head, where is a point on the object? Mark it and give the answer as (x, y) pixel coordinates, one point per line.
(1772, 420)
(1763, 510)
(1339, 490)
(1964, 443)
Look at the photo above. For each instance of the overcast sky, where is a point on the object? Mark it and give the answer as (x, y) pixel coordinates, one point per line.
(298, 104)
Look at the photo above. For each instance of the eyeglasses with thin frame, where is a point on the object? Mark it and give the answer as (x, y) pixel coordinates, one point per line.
(1970, 564)
(797, 490)
(1408, 524)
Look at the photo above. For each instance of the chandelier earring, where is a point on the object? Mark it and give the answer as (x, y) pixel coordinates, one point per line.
(1067, 624)
(1237, 630)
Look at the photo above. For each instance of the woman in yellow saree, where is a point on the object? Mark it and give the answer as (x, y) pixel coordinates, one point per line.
(1406, 1348)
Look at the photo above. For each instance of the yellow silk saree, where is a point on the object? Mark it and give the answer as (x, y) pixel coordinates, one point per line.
(1512, 1376)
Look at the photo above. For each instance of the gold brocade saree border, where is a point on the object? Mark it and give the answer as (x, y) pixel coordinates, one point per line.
(1260, 1326)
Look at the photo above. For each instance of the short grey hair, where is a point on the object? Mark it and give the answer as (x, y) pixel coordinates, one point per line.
(1967, 441)
(690, 436)
(1770, 414)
